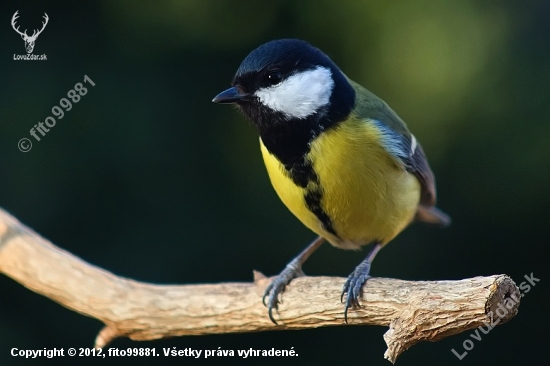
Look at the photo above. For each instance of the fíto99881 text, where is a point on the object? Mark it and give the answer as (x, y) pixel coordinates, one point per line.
(58, 111)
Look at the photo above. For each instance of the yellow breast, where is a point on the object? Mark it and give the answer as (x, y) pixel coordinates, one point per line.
(366, 193)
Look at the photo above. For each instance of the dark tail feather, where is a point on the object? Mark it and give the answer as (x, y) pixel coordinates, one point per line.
(432, 215)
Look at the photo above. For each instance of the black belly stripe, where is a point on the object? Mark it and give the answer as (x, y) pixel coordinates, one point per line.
(305, 176)
(290, 142)
(313, 202)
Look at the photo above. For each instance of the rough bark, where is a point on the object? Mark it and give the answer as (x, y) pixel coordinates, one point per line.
(414, 310)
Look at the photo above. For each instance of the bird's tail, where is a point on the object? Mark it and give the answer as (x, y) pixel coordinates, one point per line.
(432, 215)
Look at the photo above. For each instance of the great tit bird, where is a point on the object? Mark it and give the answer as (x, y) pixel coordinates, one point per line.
(339, 157)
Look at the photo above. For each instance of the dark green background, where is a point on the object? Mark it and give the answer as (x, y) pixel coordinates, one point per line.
(146, 178)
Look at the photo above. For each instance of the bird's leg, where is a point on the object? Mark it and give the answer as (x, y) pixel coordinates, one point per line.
(292, 270)
(353, 287)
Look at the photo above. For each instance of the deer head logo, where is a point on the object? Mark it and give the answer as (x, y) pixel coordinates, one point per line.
(29, 40)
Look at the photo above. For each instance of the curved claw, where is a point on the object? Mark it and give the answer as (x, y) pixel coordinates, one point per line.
(291, 271)
(266, 292)
(353, 288)
(278, 287)
(273, 301)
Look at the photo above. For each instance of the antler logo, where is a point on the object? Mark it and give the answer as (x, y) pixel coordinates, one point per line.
(29, 40)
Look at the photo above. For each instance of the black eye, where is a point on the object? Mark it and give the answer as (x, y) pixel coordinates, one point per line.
(274, 78)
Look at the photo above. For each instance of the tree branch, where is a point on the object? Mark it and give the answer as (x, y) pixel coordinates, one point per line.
(415, 311)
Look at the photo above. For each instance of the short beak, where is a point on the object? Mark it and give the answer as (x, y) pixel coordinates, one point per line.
(231, 95)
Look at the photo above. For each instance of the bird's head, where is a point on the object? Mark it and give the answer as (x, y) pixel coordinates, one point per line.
(286, 81)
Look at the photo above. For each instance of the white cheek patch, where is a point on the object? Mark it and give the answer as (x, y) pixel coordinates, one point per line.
(301, 94)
